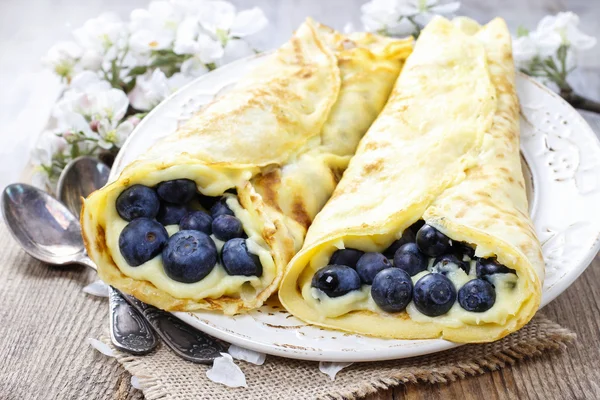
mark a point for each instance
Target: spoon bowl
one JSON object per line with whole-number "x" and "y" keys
{"x": 81, "y": 177}
{"x": 42, "y": 225}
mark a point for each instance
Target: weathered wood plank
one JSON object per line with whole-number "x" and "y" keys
{"x": 45, "y": 319}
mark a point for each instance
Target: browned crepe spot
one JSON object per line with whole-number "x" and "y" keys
{"x": 269, "y": 184}
{"x": 299, "y": 212}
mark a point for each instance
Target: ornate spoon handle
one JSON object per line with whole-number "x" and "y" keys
{"x": 186, "y": 341}
{"x": 129, "y": 330}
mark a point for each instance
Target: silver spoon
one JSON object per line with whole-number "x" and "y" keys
{"x": 129, "y": 331}
{"x": 48, "y": 231}
{"x": 81, "y": 177}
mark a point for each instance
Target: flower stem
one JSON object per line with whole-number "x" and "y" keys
{"x": 578, "y": 101}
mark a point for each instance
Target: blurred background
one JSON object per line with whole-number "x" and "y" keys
{"x": 28, "y": 28}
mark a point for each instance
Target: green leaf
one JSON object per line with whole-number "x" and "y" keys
{"x": 128, "y": 87}
{"x": 522, "y": 31}
{"x": 139, "y": 70}
{"x": 561, "y": 53}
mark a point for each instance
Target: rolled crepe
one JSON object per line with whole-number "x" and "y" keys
{"x": 272, "y": 149}
{"x": 445, "y": 152}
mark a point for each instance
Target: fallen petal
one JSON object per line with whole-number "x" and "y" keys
{"x": 332, "y": 368}
{"x": 135, "y": 382}
{"x": 225, "y": 371}
{"x": 251, "y": 356}
{"x": 101, "y": 347}
{"x": 97, "y": 288}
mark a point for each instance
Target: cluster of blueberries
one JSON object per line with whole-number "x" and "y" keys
{"x": 392, "y": 288}
{"x": 191, "y": 254}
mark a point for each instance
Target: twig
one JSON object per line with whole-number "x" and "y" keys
{"x": 580, "y": 102}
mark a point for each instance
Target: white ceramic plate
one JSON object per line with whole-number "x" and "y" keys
{"x": 563, "y": 156}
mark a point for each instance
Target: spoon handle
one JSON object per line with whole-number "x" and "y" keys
{"x": 186, "y": 341}
{"x": 129, "y": 330}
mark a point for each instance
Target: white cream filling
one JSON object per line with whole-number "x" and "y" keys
{"x": 507, "y": 286}
{"x": 217, "y": 283}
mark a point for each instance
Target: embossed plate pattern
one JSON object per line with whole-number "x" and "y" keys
{"x": 563, "y": 156}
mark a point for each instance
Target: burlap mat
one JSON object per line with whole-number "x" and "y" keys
{"x": 164, "y": 376}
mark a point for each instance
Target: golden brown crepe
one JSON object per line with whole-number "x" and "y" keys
{"x": 281, "y": 139}
{"x": 445, "y": 150}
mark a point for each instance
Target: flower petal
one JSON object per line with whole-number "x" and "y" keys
{"x": 248, "y": 22}
{"x": 234, "y": 50}
{"x": 185, "y": 39}
{"x": 193, "y": 67}
{"x": 332, "y": 368}
{"x": 445, "y": 9}
{"x": 135, "y": 382}
{"x": 217, "y": 15}
{"x": 97, "y": 288}
{"x": 101, "y": 347}
{"x": 253, "y": 357}
{"x": 226, "y": 372}
{"x": 209, "y": 50}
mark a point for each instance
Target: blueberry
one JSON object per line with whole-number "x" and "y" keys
{"x": 171, "y": 214}
{"x": 178, "y": 191}
{"x": 448, "y": 263}
{"x": 462, "y": 249}
{"x": 416, "y": 226}
{"x": 207, "y": 201}
{"x": 370, "y": 264}
{"x": 392, "y": 289}
{"x": 142, "y": 240}
{"x": 226, "y": 227}
{"x": 189, "y": 256}
{"x": 196, "y": 221}
{"x": 347, "y": 257}
{"x": 336, "y": 280}
{"x": 410, "y": 259}
{"x": 238, "y": 261}
{"x": 408, "y": 236}
{"x": 220, "y": 208}
{"x": 477, "y": 295}
{"x": 433, "y": 242}
{"x": 434, "y": 295}
{"x": 489, "y": 266}
{"x": 137, "y": 201}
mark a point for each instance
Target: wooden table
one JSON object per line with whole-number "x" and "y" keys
{"x": 44, "y": 352}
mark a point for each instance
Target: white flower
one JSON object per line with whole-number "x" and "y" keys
{"x": 424, "y": 10}
{"x": 560, "y": 29}
{"x": 220, "y": 20}
{"x": 47, "y": 145}
{"x": 151, "y": 89}
{"x": 63, "y": 57}
{"x": 216, "y": 35}
{"x": 234, "y": 50}
{"x": 113, "y": 134}
{"x": 93, "y": 105}
{"x": 552, "y": 32}
{"x": 91, "y": 60}
{"x": 88, "y": 82}
{"x": 154, "y": 28}
{"x": 102, "y": 35}
{"x": 524, "y": 51}
{"x": 191, "y": 41}
{"x": 384, "y": 16}
{"x": 392, "y": 16}
{"x": 193, "y": 67}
